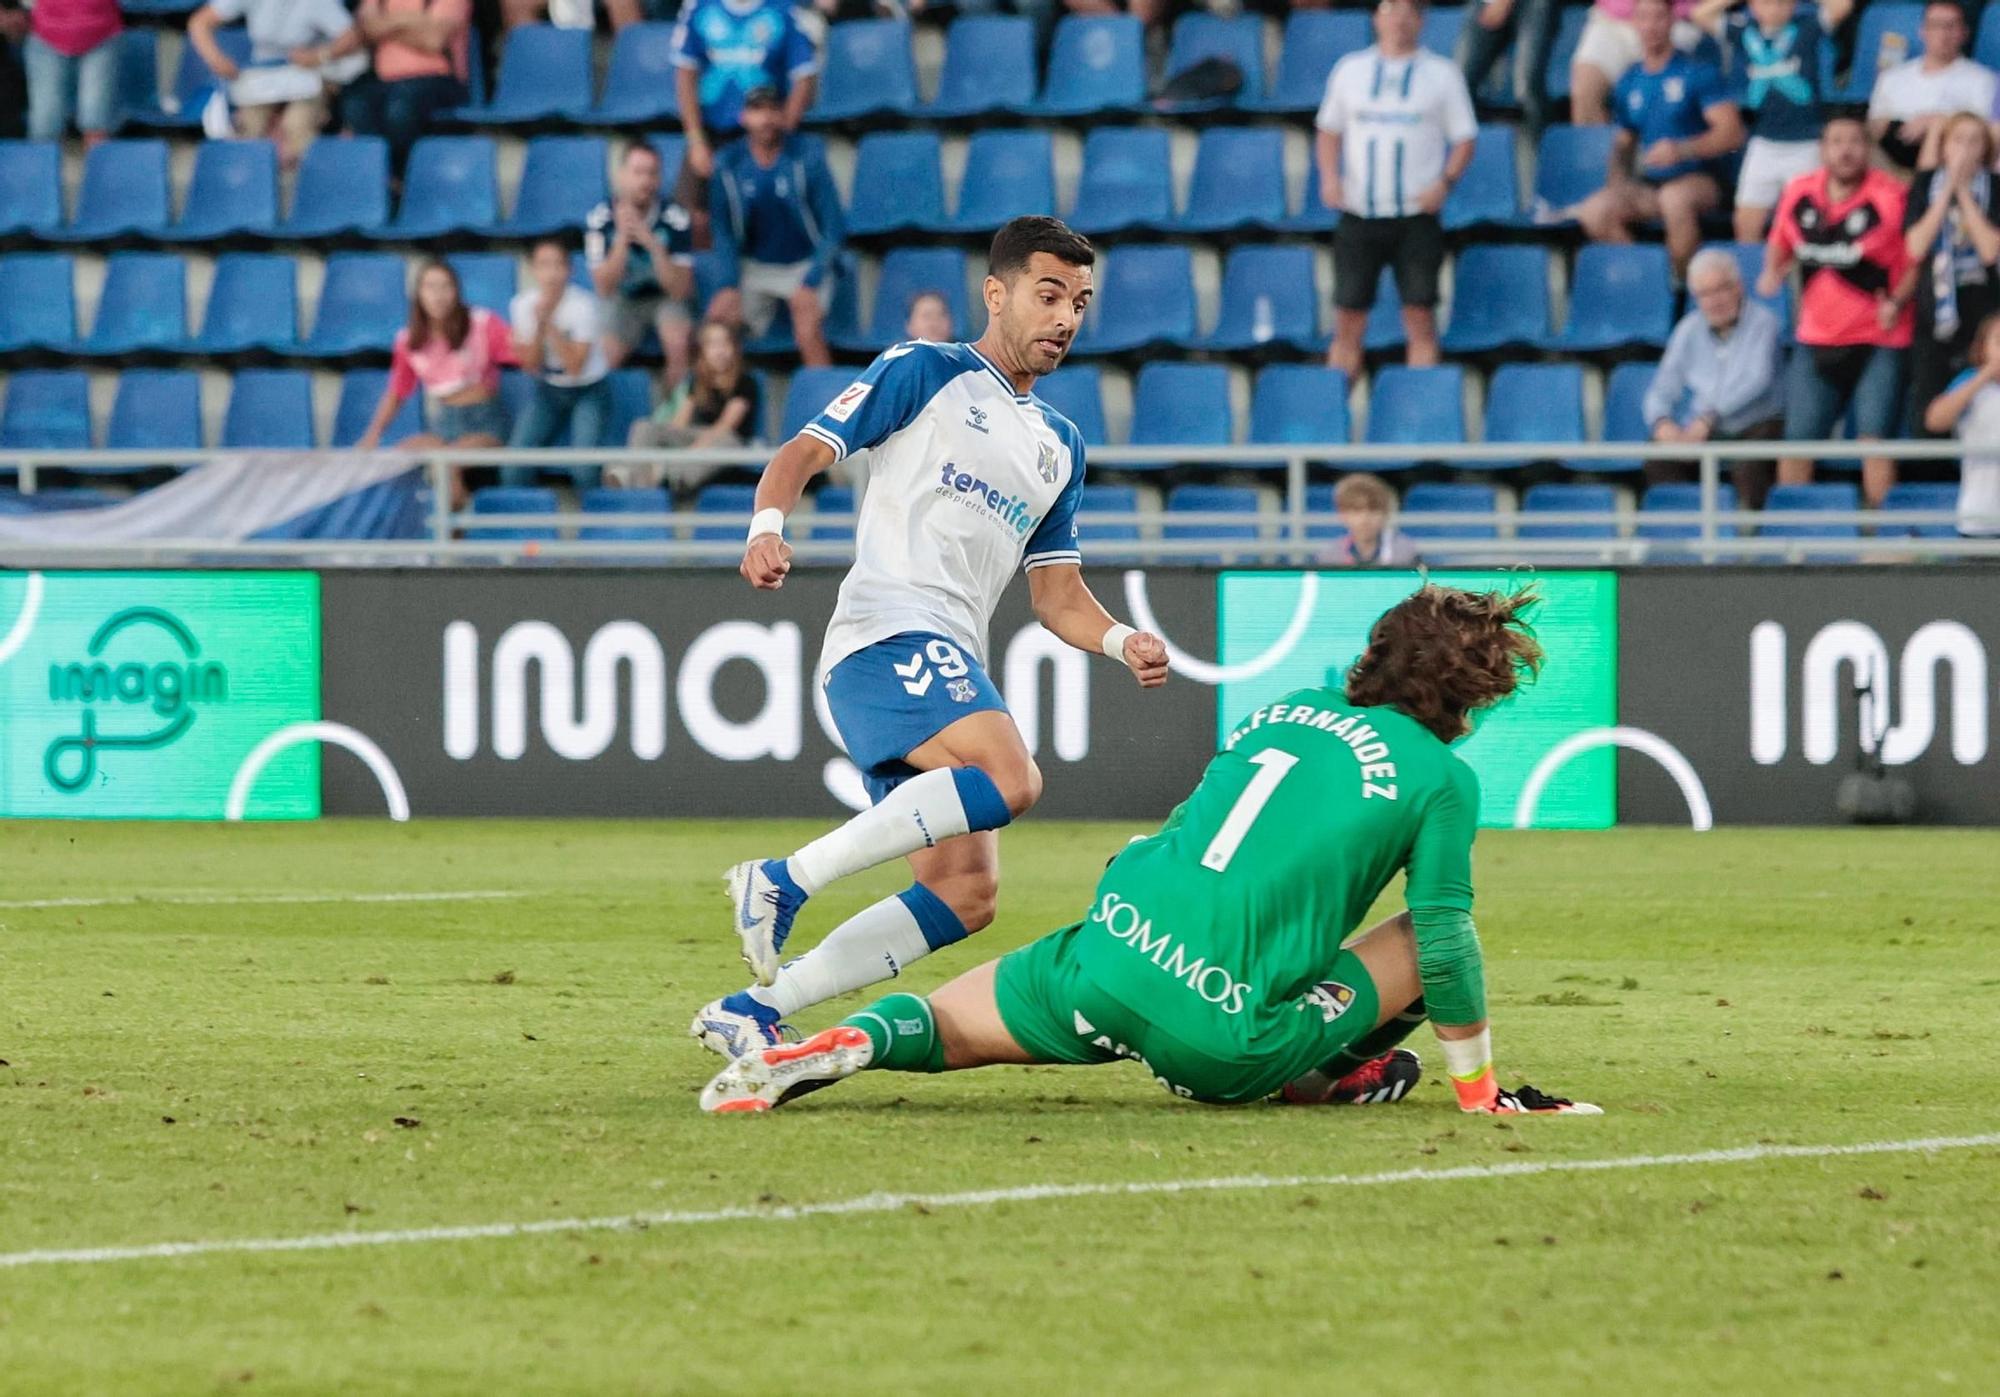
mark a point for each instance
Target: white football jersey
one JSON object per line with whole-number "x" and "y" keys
{"x": 966, "y": 480}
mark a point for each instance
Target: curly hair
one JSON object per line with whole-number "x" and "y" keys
{"x": 1441, "y": 653}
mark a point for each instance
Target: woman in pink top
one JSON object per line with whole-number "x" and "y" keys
{"x": 455, "y": 353}
{"x": 72, "y": 61}
{"x": 419, "y": 70}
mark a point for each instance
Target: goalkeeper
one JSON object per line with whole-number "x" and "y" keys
{"x": 1212, "y": 952}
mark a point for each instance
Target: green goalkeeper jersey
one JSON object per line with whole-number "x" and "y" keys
{"x": 1215, "y": 927}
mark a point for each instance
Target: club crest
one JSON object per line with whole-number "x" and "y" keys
{"x": 1045, "y": 462}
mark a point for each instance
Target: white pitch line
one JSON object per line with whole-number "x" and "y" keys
{"x": 256, "y": 899}
{"x": 977, "y": 1198}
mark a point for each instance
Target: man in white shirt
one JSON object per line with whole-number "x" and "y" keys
{"x": 298, "y": 50}
{"x": 1395, "y": 134}
{"x": 558, "y": 330}
{"x": 1912, "y": 97}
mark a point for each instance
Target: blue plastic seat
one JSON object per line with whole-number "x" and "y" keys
{"x": 1568, "y": 499}
{"x": 1145, "y": 297}
{"x": 807, "y": 395}
{"x": 601, "y": 501}
{"x": 1300, "y": 403}
{"x": 733, "y": 504}
{"x": 1416, "y": 408}
{"x": 631, "y": 401}
{"x": 1268, "y": 301}
{"x": 1618, "y": 297}
{"x": 544, "y": 76}
{"x": 1499, "y": 299}
{"x": 1120, "y": 500}
{"x": 192, "y": 84}
{"x": 1986, "y": 43}
{"x": 673, "y": 154}
{"x": 1313, "y": 215}
{"x": 1441, "y": 27}
{"x": 1532, "y": 403}
{"x": 143, "y": 305}
{"x": 1212, "y": 499}
{"x": 1180, "y": 405}
{"x": 1793, "y": 499}
{"x": 561, "y": 181}
{"x": 1315, "y": 40}
{"x": 450, "y": 187}
{"x": 269, "y": 410}
{"x": 1912, "y": 496}
{"x": 362, "y": 304}
{"x": 898, "y": 183}
{"x": 1384, "y": 331}
{"x": 834, "y": 501}
{"x": 1570, "y": 166}
{"x": 360, "y": 393}
{"x": 155, "y": 410}
{"x": 1562, "y": 52}
{"x": 57, "y": 499}
{"x": 1097, "y": 64}
{"x": 1077, "y": 392}
{"x": 234, "y": 191}
{"x": 1322, "y": 519}
{"x": 124, "y": 194}
{"x": 1007, "y": 174}
{"x": 906, "y": 273}
{"x": 1490, "y": 192}
{"x": 1875, "y": 20}
{"x": 869, "y": 69}
{"x": 30, "y": 187}
{"x": 1239, "y": 179}
{"x": 989, "y": 66}
{"x": 253, "y": 304}
{"x": 47, "y": 410}
{"x": 1432, "y": 498}
{"x": 1198, "y": 36}
{"x": 1681, "y": 499}
{"x": 486, "y": 279}
{"x": 639, "y": 84}
{"x": 37, "y": 301}
{"x": 513, "y": 499}
{"x": 1625, "y": 410}
{"x": 138, "y": 70}
{"x": 343, "y": 187}
{"x": 1127, "y": 181}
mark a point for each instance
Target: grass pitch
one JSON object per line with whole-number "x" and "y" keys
{"x": 196, "y": 1050}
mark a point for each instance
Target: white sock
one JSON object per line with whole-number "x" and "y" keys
{"x": 922, "y": 812}
{"x": 872, "y": 945}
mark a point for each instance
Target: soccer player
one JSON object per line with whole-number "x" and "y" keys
{"x": 969, "y": 475}
{"x": 1212, "y": 950}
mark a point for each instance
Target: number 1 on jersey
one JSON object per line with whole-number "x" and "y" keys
{"x": 1272, "y": 766}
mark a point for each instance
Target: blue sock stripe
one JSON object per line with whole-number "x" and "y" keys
{"x": 984, "y": 809}
{"x": 939, "y": 924}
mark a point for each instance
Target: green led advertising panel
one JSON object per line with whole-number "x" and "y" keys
{"x": 1325, "y": 617}
{"x": 139, "y": 695}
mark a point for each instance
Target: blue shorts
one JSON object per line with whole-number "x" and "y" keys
{"x": 895, "y": 695}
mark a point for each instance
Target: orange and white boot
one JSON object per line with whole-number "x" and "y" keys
{"x": 766, "y": 1079}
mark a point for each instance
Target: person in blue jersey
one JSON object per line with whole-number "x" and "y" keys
{"x": 723, "y": 51}
{"x": 970, "y": 478}
{"x": 1773, "y": 55}
{"x": 1674, "y": 119}
{"x": 775, "y": 216}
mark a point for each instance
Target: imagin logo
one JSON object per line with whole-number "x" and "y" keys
{"x": 1012, "y": 512}
{"x": 1899, "y": 712}
{"x": 151, "y": 703}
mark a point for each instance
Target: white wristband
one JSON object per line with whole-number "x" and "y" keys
{"x": 1114, "y": 640}
{"x": 766, "y": 521}
{"x": 1466, "y": 1058}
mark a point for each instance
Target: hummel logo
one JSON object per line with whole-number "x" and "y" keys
{"x": 916, "y": 679}
{"x": 975, "y": 418}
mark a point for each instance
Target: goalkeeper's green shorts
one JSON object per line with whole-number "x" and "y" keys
{"x": 1054, "y": 1010}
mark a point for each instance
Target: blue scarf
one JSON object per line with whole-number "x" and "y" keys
{"x": 1954, "y": 259}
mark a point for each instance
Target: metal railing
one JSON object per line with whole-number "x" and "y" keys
{"x": 1294, "y": 537}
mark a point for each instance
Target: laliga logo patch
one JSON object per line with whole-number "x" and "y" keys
{"x": 842, "y": 407}
{"x": 1045, "y": 462}
{"x": 1331, "y": 998}
{"x": 962, "y": 690}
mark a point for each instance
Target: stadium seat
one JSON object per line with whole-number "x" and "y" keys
{"x": 673, "y": 153}
{"x": 253, "y": 305}
{"x": 1619, "y": 297}
{"x": 1314, "y": 41}
{"x": 1911, "y": 497}
{"x": 1681, "y": 499}
{"x": 907, "y": 272}
{"x": 1986, "y": 43}
{"x": 1007, "y": 173}
{"x": 1322, "y": 519}
{"x": 1490, "y": 192}
{"x": 898, "y": 184}
{"x": 362, "y": 303}
{"x": 1499, "y": 299}
{"x": 1299, "y": 403}
{"x": 1313, "y": 216}
{"x": 1568, "y": 499}
{"x": 192, "y": 84}
{"x": 1127, "y": 181}
{"x": 486, "y": 279}
{"x": 606, "y": 500}
{"x": 30, "y": 188}
{"x": 234, "y": 191}
{"x": 809, "y": 391}
{"x": 138, "y": 70}
{"x": 1873, "y": 21}
{"x": 360, "y": 393}
{"x": 868, "y": 70}
{"x": 1198, "y": 36}
{"x": 450, "y": 188}
{"x": 544, "y": 76}
{"x": 513, "y": 499}
{"x": 1625, "y": 411}
{"x": 989, "y": 66}
{"x": 1180, "y": 405}
{"x": 124, "y": 194}
{"x": 561, "y": 181}
{"x": 1269, "y": 301}
{"x": 833, "y": 500}
{"x": 1794, "y": 499}
{"x": 1145, "y": 297}
{"x": 1532, "y": 403}
{"x": 1415, "y": 407}
{"x": 58, "y": 499}
{"x": 1077, "y": 392}
{"x": 1239, "y": 179}
{"x": 639, "y": 84}
{"x": 1097, "y": 64}
{"x": 1113, "y": 500}
{"x": 1384, "y": 329}
{"x": 37, "y": 301}
{"x": 1569, "y": 32}
{"x": 732, "y": 504}
{"x": 143, "y": 305}
{"x": 155, "y": 410}
{"x": 1432, "y": 498}
{"x": 269, "y": 410}
{"x": 343, "y": 187}
{"x": 1441, "y": 27}
{"x": 632, "y": 401}
{"x": 1212, "y": 499}
{"x": 47, "y": 410}
{"x": 1570, "y": 166}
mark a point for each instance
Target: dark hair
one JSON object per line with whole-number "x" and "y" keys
{"x": 710, "y": 396}
{"x": 1021, "y": 238}
{"x": 1979, "y": 338}
{"x": 457, "y": 325}
{"x": 639, "y": 147}
{"x": 1441, "y": 653}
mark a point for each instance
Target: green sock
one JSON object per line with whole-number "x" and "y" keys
{"x": 903, "y": 1033}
